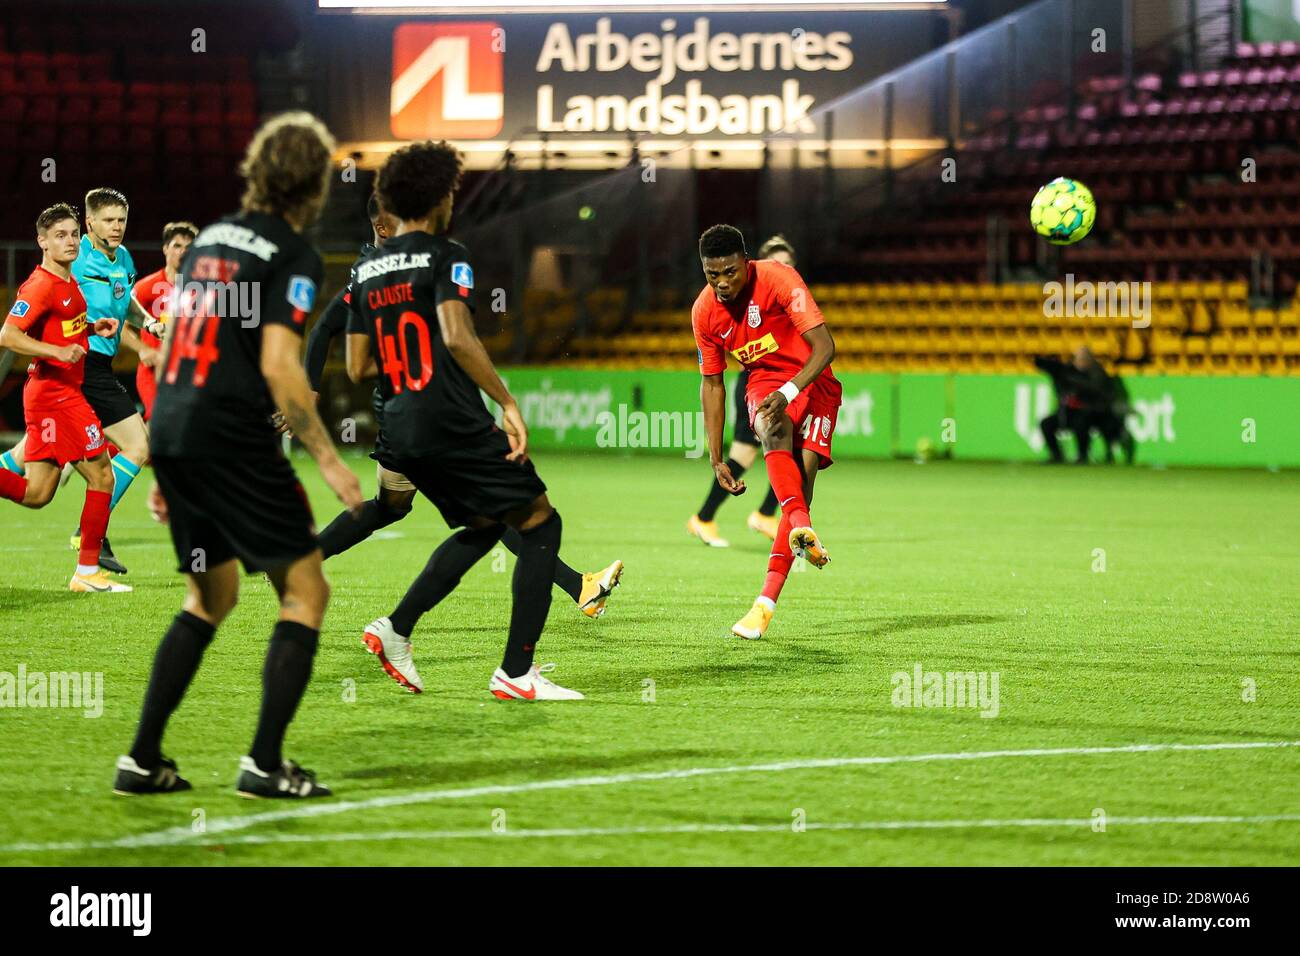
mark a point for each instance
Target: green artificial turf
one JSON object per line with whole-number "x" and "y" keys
{"x": 955, "y": 567}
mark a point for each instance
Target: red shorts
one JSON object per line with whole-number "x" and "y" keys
{"x": 62, "y": 431}
{"x": 813, "y": 412}
{"x": 147, "y": 386}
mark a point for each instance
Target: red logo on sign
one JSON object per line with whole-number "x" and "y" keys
{"x": 447, "y": 81}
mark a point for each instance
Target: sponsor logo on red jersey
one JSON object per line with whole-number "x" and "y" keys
{"x": 752, "y": 351}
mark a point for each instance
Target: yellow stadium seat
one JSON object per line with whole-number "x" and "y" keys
{"x": 853, "y": 316}
{"x": 1103, "y": 347}
{"x": 1134, "y": 346}
{"x": 1235, "y": 317}
{"x": 1171, "y": 363}
{"x": 1200, "y": 321}
{"x": 1196, "y": 350}
{"x": 1290, "y": 359}
{"x": 1210, "y": 291}
{"x": 1221, "y": 354}
{"x": 1245, "y": 364}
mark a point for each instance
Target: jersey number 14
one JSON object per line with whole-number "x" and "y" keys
{"x": 186, "y": 344}
{"x": 395, "y": 358}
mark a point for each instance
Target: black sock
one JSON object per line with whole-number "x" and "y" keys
{"x": 178, "y": 657}
{"x": 446, "y": 566}
{"x": 346, "y": 531}
{"x": 284, "y": 678}
{"x": 531, "y": 591}
{"x": 718, "y": 494}
{"x": 769, "y": 505}
{"x": 568, "y": 580}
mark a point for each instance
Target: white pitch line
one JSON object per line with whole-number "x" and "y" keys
{"x": 199, "y": 840}
{"x": 486, "y": 834}
{"x": 184, "y": 834}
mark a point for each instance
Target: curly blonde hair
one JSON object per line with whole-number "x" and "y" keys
{"x": 287, "y": 166}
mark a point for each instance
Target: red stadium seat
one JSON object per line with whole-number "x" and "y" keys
{"x": 75, "y": 109}
{"x": 12, "y": 106}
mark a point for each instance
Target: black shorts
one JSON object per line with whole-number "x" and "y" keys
{"x": 247, "y": 507}
{"x": 744, "y": 432}
{"x": 106, "y": 395}
{"x": 472, "y": 479}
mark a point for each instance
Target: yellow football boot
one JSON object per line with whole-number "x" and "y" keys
{"x": 597, "y": 587}
{"x": 754, "y": 624}
{"x": 706, "y": 531}
{"x": 97, "y": 583}
{"x": 805, "y": 544}
{"x": 764, "y": 524}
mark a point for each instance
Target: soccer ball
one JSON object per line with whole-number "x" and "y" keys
{"x": 1063, "y": 211}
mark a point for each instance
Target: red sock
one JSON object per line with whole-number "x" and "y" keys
{"x": 778, "y": 565}
{"x": 787, "y": 482}
{"x": 94, "y": 522}
{"x": 13, "y": 487}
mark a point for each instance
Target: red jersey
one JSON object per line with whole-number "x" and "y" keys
{"x": 763, "y": 328}
{"x": 53, "y": 311}
{"x": 154, "y": 292}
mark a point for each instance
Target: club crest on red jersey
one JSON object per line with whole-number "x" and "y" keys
{"x": 754, "y": 317}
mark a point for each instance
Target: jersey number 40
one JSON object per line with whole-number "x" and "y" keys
{"x": 394, "y": 357}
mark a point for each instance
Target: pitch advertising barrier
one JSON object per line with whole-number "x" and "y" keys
{"x": 1214, "y": 421}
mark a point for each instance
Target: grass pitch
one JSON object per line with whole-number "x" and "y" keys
{"x": 1118, "y": 608}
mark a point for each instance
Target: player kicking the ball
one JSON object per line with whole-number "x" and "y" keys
{"x": 413, "y": 325}
{"x": 48, "y": 322}
{"x": 762, "y": 313}
{"x": 744, "y": 446}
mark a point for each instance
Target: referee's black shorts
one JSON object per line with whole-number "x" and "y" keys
{"x": 106, "y": 395}
{"x": 249, "y": 507}
{"x": 472, "y": 479}
{"x": 743, "y": 432}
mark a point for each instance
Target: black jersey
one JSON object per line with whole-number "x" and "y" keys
{"x": 242, "y": 273}
{"x": 332, "y": 323}
{"x": 430, "y": 403}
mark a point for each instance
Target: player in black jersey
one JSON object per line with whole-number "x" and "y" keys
{"x": 412, "y": 324}
{"x": 590, "y": 591}
{"x": 231, "y": 358}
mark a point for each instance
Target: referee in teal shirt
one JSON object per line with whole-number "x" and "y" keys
{"x": 105, "y": 273}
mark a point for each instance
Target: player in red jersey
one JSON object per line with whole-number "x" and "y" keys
{"x": 48, "y": 322}
{"x": 762, "y": 313}
{"x": 154, "y": 292}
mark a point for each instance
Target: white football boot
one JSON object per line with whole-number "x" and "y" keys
{"x": 531, "y": 686}
{"x": 394, "y": 652}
